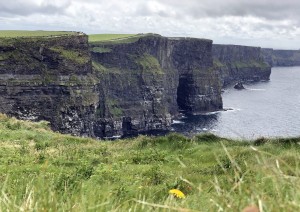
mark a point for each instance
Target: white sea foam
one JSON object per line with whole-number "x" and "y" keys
{"x": 178, "y": 122}
{"x": 231, "y": 109}
{"x": 113, "y": 137}
{"x": 256, "y": 89}
{"x": 210, "y": 113}
{"x": 201, "y": 129}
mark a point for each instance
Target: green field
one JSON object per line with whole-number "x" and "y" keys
{"x": 107, "y": 37}
{"x": 100, "y": 39}
{"x": 24, "y": 33}
{"x": 45, "y": 171}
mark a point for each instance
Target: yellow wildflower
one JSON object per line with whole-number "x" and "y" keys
{"x": 177, "y": 193}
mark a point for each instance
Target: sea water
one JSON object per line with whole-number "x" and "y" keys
{"x": 263, "y": 109}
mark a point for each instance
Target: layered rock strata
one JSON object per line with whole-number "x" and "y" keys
{"x": 49, "y": 78}
{"x": 119, "y": 88}
{"x": 236, "y": 63}
{"x": 148, "y": 81}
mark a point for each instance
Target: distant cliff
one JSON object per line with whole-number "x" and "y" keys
{"x": 149, "y": 80}
{"x": 282, "y": 57}
{"x": 240, "y": 63}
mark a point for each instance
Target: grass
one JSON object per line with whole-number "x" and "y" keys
{"x": 107, "y": 37}
{"x": 72, "y": 55}
{"x": 248, "y": 64}
{"x": 217, "y": 63}
{"x": 41, "y": 170}
{"x": 24, "y": 33}
{"x": 98, "y": 39}
{"x": 149, "y": 64}
{"x": 100, "y": 50}
{"x": 98, "y": 67}
{"x": 114, "y": 108}
{"x": 242, "y": 64}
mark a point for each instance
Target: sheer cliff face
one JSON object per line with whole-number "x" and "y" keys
{"x": 282, "y": 57}
{"x": 147, "y": 82}
{"x": 116, "y": 89}
{"x": 240, "y": 63}
{"x": 49, "y": 79}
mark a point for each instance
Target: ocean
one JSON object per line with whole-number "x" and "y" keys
{"x": 263, "y": 109}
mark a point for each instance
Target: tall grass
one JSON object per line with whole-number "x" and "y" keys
{"x": 45, "y": 171}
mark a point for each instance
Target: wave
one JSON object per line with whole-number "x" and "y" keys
{"x": 211, "y": 113}
{"x": 231, "y": 109}
{"x": 256, "y": 89}
{"x": 201, "y": 129}
{"x": 177, "y": 122}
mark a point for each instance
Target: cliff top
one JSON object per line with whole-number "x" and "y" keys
{"x": 130, "y": 38}
{"x": 188, "y": 38}
{"x": 109, "y": 37}
{"x": 40, "y": 33}
{"x": 116, "y": 38}
{"x": 234, "y": 45}
{"x": 41, "y": 52}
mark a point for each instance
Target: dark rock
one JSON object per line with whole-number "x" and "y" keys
{"x": 227, "y": 109}
{"x": 239, "y": 86}
{"x": 46, "y": 79}
{"x": 146, "y": 82}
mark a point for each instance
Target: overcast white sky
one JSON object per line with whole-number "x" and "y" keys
{"x": 266, "y": 23}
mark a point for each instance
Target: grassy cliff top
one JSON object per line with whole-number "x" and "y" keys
{"x": 24, "y": 33}
{"x": 107, "y": 37}
{"x": 116, "y": 38}
{"x": 42, "y": 170}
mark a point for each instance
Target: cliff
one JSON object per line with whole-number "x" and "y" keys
{"x": 49, "y": 78}
{"x": 282, "y": 57}
{"x": 148, "y": 80}
{"x": 267, "y": 54}
{"x": 240, "y": 63}
{"x": 112, "y": 88}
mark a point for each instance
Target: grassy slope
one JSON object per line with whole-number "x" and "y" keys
{"x": 42, "y": 170}
{"x": 24, "y": 33}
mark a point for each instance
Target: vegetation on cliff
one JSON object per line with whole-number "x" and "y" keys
{"x": 107, "y": 37}
{"x": 42, "y": 170}
{"x": 242, "y": 64}
{"x": 40, "y": 33}
{"x": 97, "y": 39}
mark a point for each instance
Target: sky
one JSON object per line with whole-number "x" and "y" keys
{"x": 265, "y": 23}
